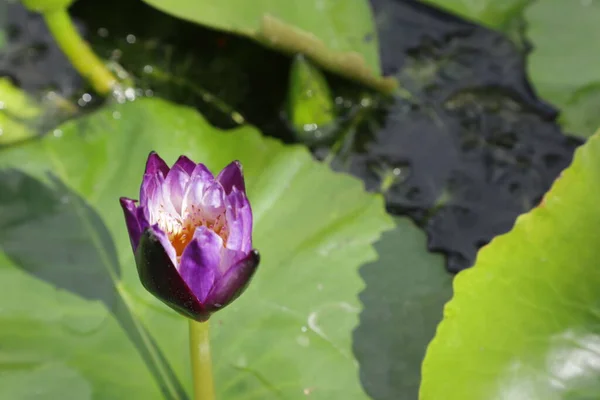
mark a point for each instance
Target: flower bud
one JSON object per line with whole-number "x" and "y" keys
{"x": 192, "y": 235}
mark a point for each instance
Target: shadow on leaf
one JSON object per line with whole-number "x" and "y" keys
{"x": 405, "y": 292}
{"x": 53, "y": 234}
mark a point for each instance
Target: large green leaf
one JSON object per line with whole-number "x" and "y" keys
{"x": 525, "y": 320}
{"x": 50, "y": 381}
{"x": 495, "y": 14}
{"x": 566, "y": 53}
{"x": 42, "y": 326}
{"x": 61, "y": 227}
{"x": 406, "y": 290}
{"x": 339, "y": 35}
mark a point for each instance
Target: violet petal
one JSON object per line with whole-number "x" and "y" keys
{"x": 200, "y": 261}
{"x": 232, "y": 176}
{"x": 155, "y": 164}
{"x": 165, "y": 243}
{"x": 159, "y": 276}
{"x": 151, "y": 196}
{"x": 134, "y": 228}
{"x": 174, "y": 187}
{"x": 239, "y": 221}
{"x": 202, "y": 173}
{"x": 233, "y": 283}
{"x": 200, "y": 178}
{"x": 152, "y": 185}
{"x": 212, "y": 201}
{"x": 185, "y": 164}
{"x": 142, "y": 219}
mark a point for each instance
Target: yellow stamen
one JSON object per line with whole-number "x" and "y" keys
{"x": 181, "y": 232}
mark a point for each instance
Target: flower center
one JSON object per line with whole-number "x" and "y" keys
{"x": 181, "y": 231}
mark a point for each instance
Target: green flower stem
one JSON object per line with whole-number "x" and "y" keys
{"x": 79, "y": 52}
{"x": 201, "y": 362}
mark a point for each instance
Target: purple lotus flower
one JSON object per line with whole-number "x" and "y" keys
{"x": 192, "y": 235}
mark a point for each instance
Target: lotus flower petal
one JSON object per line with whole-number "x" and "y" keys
{"x": 201, "y": 260}
{"x": 239, "y": 220}
{"x": 231, "y": 285}
{"x": 131, "y": 220}
{"x": 155, "y": 164}
{"x": 232, "y": 176}
{"x": 160, "y": 277}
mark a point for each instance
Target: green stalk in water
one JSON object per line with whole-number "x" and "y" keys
{"x": 78, "y": 51}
